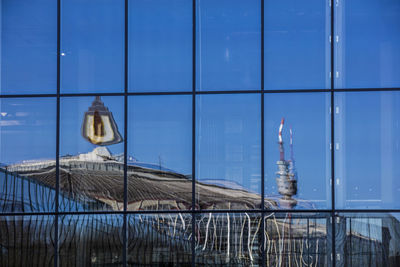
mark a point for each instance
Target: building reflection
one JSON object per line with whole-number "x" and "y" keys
{"x": 92, "y": 182}
{"x": 163, "y": 234}
{"x": 232, "y": 239}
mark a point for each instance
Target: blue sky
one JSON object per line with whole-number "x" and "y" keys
{"x": 297, "y": 56}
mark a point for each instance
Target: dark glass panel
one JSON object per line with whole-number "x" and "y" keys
{"x": 228, "y": 151}
{"x": 159, "y": 240}
{"x": 27, "y": 146}
{"x": 92, "y": 46}
{"x": 160, "y": 45}
{"x": 90, "y": 240}
{"x": 297, "y": 48}
{"x": 160, "y": 153}
{"x": 228, "y": 239}
{"x": 367, "y": 47}
{"x": 91, "y": 153}
{"x": 28, "y": 46}
{"x": 368, "y": 239}
{"x": 228, "y": 45}
{"x": 27, "y": 240}
{"x": 298, "y": 239}
{"x": 306, "y": 137}
{"x": 367, "y": 126}
{"x": 234, "y": 239}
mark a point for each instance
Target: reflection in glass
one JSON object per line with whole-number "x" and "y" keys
{"x": 367, "y": 130}
{"x": 234, "y": 239}
{"x": 91, "y": 173}
{"x": 297, "y": 48}
{"x": 160, "y": 152}
{"x": 99, "y": 127}
{"x": 27, "y": 240}
{"x": 90, "y": 240}
{"x": 228, "y": 48}
{"x": 28, "y": 46}
{"x": 159, "y": 240}
{"x": 367, "y": 51}
{"x": 160, "y": 132}
{"x": 306, "y": 155}
{"x": 294, "y": 239}
{"x": 27, "y": 145}
{"x": 228, "y": 151}
{"x": 368, "y": 239}
{"x": 92, "y": 46}
{"x": 160, "y": 45}
{"x": 228, "y": 239}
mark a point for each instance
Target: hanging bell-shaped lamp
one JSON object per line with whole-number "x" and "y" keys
{"x": 99, "y": 126}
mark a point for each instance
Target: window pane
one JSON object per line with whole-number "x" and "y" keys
{"x": 306, "y": 158}
{"x": 28, "y": 45}
{"x": 367, "y": 150}
{"x": 228, "y": 239}
{"x": 27, "y": 147}
{"x": 160, "y": 45}
{"x": 159, "y": 239}
{"x": 92, "y": 46}
{"x": 91, "y": 153}
{"x": 368, "y": 239}
{"x": 27, "y": 240}
{"x": 228, "y": 151}
{"x": 234, "y": 239}
{"x": 160, "y": 152}
{"x": 368, "y": 53}
{"x": 297, "y": 48}
{"x": 90, "y": 240}
{"x": 298, "y": 238}
{"x": 229, "y": 45}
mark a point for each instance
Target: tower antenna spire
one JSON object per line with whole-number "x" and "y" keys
{"x": 292, "y": 167}
{"x": 281, "y": 149}
{"x": 287, "y": 186}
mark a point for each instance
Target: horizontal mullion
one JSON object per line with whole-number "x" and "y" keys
{"x": 202, "y": 92}
{"x": 366, "y": 89}
{"x": 27, "y": 95}
{"x": 282, "y": 211}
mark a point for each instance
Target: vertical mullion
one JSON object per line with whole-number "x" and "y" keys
{"x": 308, "y": 242}
{"x": 333, "y": 135}
{"x": 262, "y": 138}
{"x": 351, "y": 247}
{"x": 125, "y": 225}
{"x": 193, "y": 131}
{"x": 57, "y": 133}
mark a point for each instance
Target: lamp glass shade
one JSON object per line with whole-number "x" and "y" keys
{"x": 99, "y": 126}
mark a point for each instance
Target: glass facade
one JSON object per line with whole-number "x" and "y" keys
{"x": 199, "y": 133}
{"x": 92, "y": 46}
{"x": 28, "y": 47}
